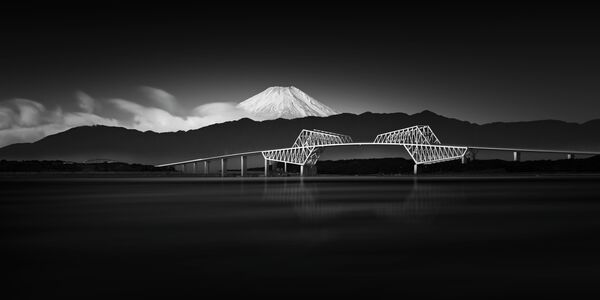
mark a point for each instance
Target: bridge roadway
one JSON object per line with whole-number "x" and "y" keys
{"x": 516, "y": 154}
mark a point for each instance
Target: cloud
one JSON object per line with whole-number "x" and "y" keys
{"x": 23, "y": 120}
{"x": 162, "y": 99}
{"x": 159, "y": 120}
{"x": 28, "y": 113}
{"x": 85, "y": 102}
{"x": 218, "y": 108}
{"x": 152, "y": 118}
{"x": 20, "y": 113}
{"x": 218, "y": 112}
{"x": 6, "y": 116}
{"x": 27, "y": 134}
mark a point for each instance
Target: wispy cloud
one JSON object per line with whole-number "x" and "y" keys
{"x": 162, "y": 99}
{"x": 24, "y": 120}
{"x": 85, "y": 102}
{"x": 160, "y": 120}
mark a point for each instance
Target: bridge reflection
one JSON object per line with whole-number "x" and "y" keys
{"x": 408, "y": 201}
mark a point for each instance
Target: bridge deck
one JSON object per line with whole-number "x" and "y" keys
{"x": 385, "y": 144}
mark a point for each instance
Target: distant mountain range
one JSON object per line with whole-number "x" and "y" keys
{"x": 83, "y": 143}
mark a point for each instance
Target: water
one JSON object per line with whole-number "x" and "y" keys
{"x": 371, "y": 237}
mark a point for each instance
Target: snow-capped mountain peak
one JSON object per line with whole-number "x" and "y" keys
{"x": 285, "y": 102}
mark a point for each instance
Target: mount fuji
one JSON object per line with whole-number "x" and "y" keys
{"x": 285, "y": 102}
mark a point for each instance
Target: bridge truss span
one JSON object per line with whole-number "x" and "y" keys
{"x": 422, "y": 144}
{"x": 317, "y": 137}
{"x": 430, "y": 154}
{"x": 297, "y": 156}
{"x": 418, "y": 134}
{"x": 307, "y": 147}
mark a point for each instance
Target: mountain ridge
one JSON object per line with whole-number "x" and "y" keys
{"x": 129, "y": 145}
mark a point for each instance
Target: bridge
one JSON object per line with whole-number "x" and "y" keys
{"x": 420, "y": 142}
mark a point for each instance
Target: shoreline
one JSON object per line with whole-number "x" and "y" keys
{"x": 161, "y": 176}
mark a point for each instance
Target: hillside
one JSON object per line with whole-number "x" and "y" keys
{"x": 89, "y": 142}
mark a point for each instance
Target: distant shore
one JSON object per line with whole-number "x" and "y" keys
{"x": 367, "y": 168}
{"x": 157, "y": 177}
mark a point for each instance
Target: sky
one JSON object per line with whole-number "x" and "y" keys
{"x": 178, "y": 68}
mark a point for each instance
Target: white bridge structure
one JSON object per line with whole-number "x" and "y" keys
{"x": 420, "y": 142}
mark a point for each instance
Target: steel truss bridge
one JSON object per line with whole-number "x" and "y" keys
{"x": 420, "y": 142}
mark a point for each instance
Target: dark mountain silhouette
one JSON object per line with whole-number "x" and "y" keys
{"x": 120, "y": 144}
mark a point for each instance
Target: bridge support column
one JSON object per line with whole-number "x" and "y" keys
{"x": 243, "y": 165}
{"x": 301, "y": 170}
{"x": 223, "y": 166}
{"x": 182, "y": 168}
{"x": 206, "y": 167}
{"x": 570, "y": 156}
{"x": 194, "y": 167}
{"x": 516, "y": 156}
{"x": 415, "y": 169}
{"x": 463, "y": 159}
{"x": 266, "y": 168}
{"x": 285, "y": 167}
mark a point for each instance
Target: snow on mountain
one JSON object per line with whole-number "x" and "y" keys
{"x": 285, "y": 102}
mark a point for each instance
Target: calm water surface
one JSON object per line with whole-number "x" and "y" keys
{"x": 371, "y": 237}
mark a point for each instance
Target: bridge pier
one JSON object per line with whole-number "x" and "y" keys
{"x": 301, "y": 170}
{"x": 516, "y": 156}
{"x": 206, "y": 167}
{"x": 182, "y": 168}
{"x": 463, "y": 159}
{"x": 266, "y": 168}
{"x": 243, "y": 165}
{"x": 415, "y": 169}
{"x": 194, "y": 168}
{"x": 285, "y": 167}
{"x": 223, "y": 167}
{"x": 570, "y": 156}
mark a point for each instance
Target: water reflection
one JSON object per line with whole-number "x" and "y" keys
{"x": 406, "y": 201}
{"x": 147, "y": 236}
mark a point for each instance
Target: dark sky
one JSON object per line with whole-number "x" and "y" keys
{"x": 480, "y": 64}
